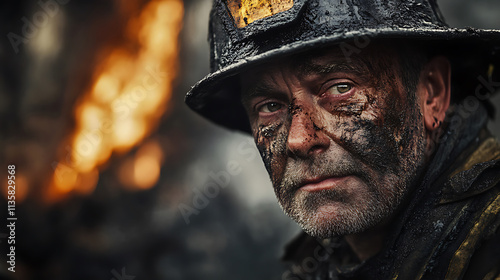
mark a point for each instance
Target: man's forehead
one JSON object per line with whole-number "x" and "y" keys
{"x": 313, "y": 62}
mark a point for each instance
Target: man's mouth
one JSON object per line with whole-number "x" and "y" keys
{"x": 319, "y": 184}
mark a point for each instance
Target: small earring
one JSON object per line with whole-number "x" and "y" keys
{"x": 435, "y": 123}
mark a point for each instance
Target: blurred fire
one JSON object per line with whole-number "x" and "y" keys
{"x": 130, "y": 93}
{"x": 142, "y": 171}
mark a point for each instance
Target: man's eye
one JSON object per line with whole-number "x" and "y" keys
{"x": 270, "y": 107}
{"x": 339, "y": 88}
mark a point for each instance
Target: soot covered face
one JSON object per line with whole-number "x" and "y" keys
{"x": 342, "y": 138}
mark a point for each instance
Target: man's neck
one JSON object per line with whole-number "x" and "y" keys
{"x": 368, "y": 243}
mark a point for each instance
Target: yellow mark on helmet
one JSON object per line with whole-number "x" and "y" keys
{"x": 245, "y": 12}
{"x": 491, "y": 68}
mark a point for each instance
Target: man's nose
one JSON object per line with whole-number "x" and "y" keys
{"x": 306, "y": 135}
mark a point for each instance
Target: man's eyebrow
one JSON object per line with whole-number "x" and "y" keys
{"x": 308, "y": 67}
{"x": 260, "y": 89}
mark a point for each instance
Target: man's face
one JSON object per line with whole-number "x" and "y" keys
{"x": 341, "y": 138}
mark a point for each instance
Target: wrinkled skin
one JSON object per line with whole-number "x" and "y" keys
{"x": 349, "y": 127}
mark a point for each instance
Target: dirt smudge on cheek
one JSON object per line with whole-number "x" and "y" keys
{"x": 350, "y": 107}
{"x": 370, "y": 143}
{"x": 368, "y": 132}
{"x": 392, "y": 132}
{"x": 271, "y": 143}
{"x": 373, "y": 109}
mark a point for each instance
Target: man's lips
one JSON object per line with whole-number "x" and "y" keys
{"x": 315, "y": 185}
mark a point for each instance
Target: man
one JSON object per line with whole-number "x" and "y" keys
{"x": 370, "y": 119}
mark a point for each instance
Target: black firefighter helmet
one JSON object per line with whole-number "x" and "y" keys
{"x": 243, "y": 33}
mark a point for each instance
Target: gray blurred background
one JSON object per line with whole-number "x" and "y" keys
{"x": 209, "y": 213}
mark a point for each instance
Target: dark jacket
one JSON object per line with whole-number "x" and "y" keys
{"x": 448, "y": 230}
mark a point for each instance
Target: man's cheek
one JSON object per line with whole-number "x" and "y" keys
{"x": 345, "y": 108}
{"x": 271, "y": 143}
{"x": 366, "y": 139}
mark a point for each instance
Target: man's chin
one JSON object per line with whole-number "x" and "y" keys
{"x": 326, "y": 214}
{"x": 334, "y": 219}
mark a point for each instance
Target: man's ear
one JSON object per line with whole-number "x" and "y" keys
{"x": 435, "y": 91}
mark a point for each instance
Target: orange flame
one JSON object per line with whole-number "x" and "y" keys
{"x": 129, "y": 95}
{"x": 143, "y": 170}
